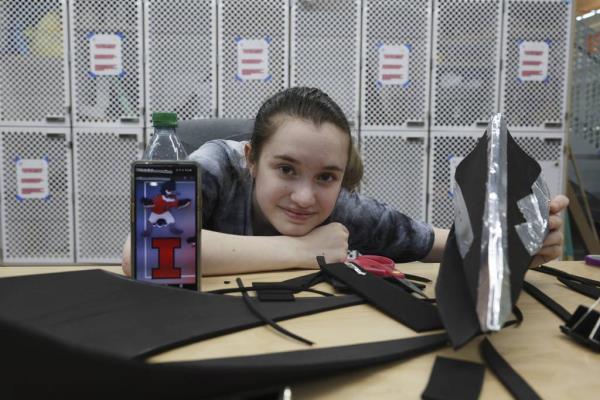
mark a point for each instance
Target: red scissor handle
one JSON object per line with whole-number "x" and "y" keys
{"x": 377, "y": 265}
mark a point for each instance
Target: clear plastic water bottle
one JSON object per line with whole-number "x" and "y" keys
{"x": 164, "y": 144}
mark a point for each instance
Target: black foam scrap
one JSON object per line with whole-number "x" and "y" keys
{"x": 102, "y": 311}
{"x": 390, "y": 299}
{"x": 457, "y": 283}
{"x": 453, "y": 379}
{"x": 36, "y": 365}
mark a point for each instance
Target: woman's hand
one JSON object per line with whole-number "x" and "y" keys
{"x": 329, "y": 241}
{"x": 553, "y": 244}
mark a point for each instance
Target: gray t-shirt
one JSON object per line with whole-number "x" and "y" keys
{"x": 375, "y": 228}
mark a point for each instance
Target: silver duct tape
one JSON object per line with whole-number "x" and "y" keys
{"x": 536, "y": 211}
{"x": 493, "y": 292}
{"x": 463, "y": 231}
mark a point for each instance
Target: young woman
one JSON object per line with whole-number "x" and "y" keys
{"x": 286, "y": 196}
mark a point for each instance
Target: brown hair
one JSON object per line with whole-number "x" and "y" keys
{"x": 312, "y": 105}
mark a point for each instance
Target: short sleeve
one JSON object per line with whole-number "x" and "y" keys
{"x": 377, "y": 228}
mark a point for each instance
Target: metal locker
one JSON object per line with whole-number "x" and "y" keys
{"x": 535, "y": 53}
{"x": 34, "y": 67}
{"x": 395, "y": 169}
{"x": 106, "y": 71}
{"x": 465, "y": 63}
{"x": 395, "y": 56}
{"x": 36, "y": 206}
{"x": 253, "y": 49}
{"x": 325, "y": 50}
{"x": 449, "y": 149}
{"x": 180, "y": 58}
{"x": 102, "y": 174}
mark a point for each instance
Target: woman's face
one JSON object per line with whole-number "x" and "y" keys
{"x": 299, "y": 175}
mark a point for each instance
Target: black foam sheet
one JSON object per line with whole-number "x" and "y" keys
{"x": 453, "y": 379}
{"x": 456, "y": 286}
{"x": 105, "y": 312}
{"x": 35, "y": 365}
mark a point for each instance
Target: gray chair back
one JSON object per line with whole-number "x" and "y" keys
{"x": 194, "y": 133}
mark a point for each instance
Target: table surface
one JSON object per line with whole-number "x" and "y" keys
{"x": 553, "y": 364}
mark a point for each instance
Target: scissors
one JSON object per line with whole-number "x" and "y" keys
{"x": 383, "y": 267}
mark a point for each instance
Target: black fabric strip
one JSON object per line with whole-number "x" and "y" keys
{"x": 388, "y": 298}
{"x": 586, "y": 290}
{"x": 452, "y": 379}
{"x": 546, "y": 301}
{"x": 511, "y": 380}
{"x": 518, "y": 318}
{"x": 274, "y": 287}
{"x": 557, "y": 272}
{"x": 35, "y": 366}
{"x": 417, "y": 278}
{"x": 266, "y": 319}
{"x": 99, "y": 310}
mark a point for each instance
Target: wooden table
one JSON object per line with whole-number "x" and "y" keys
{"x": 554, "y": 365}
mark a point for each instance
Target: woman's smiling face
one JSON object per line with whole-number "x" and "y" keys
{"x": 298, "y": 175}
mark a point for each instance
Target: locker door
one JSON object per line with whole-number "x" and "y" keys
{"x": 102, "y": 174}
{"x": 180, "y": 52}
{"x": 396, "y": 170}
{"x": 253, "y": 54}
{"x": 466, "y": 63}
{"x": 536, "y": 54}
{"x": 36, "y": 206}
{"x": 107, "y": 73}
{"x": 395, "y": 56}
{"x": 34, "y": 72}
{"x": 325, "y": 50}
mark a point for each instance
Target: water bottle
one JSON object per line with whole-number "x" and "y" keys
{"x": 164, "y": 144}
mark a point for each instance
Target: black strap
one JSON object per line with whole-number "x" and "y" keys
{"x": 546, "y": 301}
{"x": 454, "y": 379}
{"x": 388, "y": 298}
{"x": 518, "y": 318}
{"x": 586, "y": 290}
{"x": 270, "y": 286}
{"x": 511, "y": 380}
{"x": 266, "y": 319}
{"x": 557, "y": 272}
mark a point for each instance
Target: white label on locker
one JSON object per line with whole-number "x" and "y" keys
{"x": 106, "y": 54}
{"x": 393, "y": 65}
{"x": 32, "y": 179}
{"x": 533, "y": 61}
{"x": 253, "y": 59}
{"x": 453, "y": 162}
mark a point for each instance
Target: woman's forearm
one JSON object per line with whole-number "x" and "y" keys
{"x": 439, "y": 243}
{"x": 223, "y": 254}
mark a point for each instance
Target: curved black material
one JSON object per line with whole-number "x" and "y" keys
{"x": 35, "y": 365}
{"x": 557, "y": 272}
{"x": 511, "y": 380}
{"x": 586, "y": 290}
{"x": 548, "y": 302}
{"x": 102, "y": 311}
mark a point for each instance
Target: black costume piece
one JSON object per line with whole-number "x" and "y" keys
{"x": 515, "y": 384}
{"x": 452, "y": 379}
{"x": 35, "y": 365}
{"x": 391, "y": 299}
{"x": 114, "y": 314}
{"x": 459, "y": 277}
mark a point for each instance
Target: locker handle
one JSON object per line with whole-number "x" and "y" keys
{"x": 55, "y": 118}
{"x": 415, "y": 124}
{"x": 56, "y": 136}
{"x": 127, "y": 136}
{"x": 415, "y": 139}
{"x": 552, "y": 125}
{"x": 481, "y": 124}
{"x": 130, "y": 120}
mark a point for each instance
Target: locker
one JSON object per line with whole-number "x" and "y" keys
{"x": 180, "y": 58}
{"x": 36, "y": 206}
{"x": 395, "y": 56}
{"x": 102, "y": 181}
{"x": 253, "y": 47}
